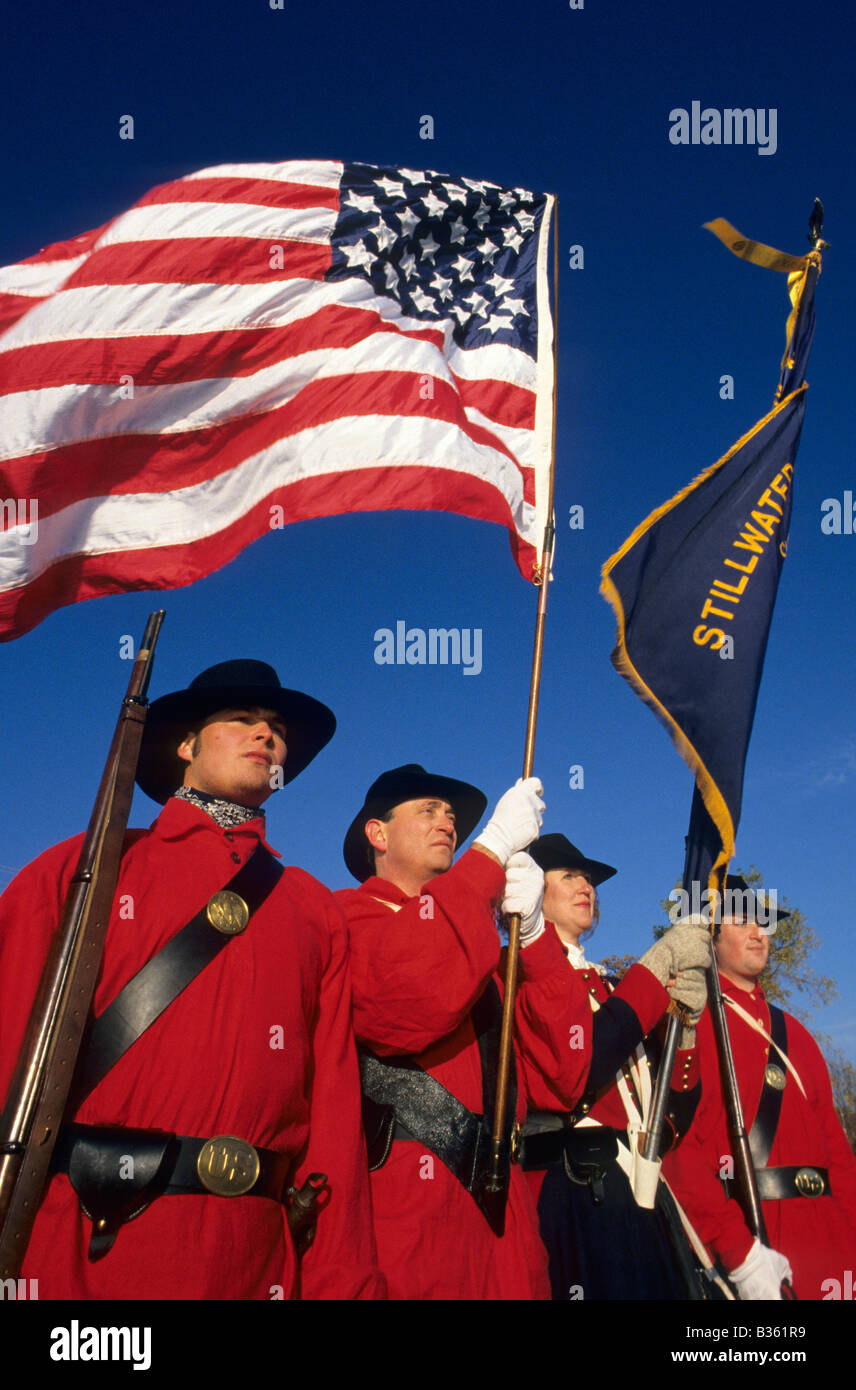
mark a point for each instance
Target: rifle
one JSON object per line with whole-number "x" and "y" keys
{"x": 40, "y": 1086}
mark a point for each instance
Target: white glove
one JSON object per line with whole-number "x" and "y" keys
{"x": 524, "y": 893}
{"x": 760, "y": 1275}
{"x": 516, "y": 821}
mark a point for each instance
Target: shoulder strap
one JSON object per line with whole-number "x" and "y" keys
{"x": 763, "y": 1131}
{"x": 160, "y": 981}
{"x": 759, "y": 1028}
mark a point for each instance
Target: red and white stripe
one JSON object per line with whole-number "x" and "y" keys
{"x": 168, "y": 379}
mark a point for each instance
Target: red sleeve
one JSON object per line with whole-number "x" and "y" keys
{"x": 840, "y": 1159}
{"x": 418, "y": 971}
{"x": 644, "y": 994}
{"x": 29, "y": 913}
{"x": 341, "y": 1262}
{"x": 553, "y": 1025}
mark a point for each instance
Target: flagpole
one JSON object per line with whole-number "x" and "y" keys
{"x": 745, "y": 1169}
{"x": 496, "y": 1180}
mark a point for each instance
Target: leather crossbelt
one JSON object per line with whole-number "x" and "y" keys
{"x": 763, "y": 1130}
{"x": 160, "y": 981}
{"x": 117, "y": 1172}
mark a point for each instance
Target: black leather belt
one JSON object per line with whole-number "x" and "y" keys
{"x": 401, "y": 1101}
{"x": 543, "y": 1141}
{"x": 587, "y": 1153}
{"x": 118, "y": 1172}
{"x": 775, "y": 1184}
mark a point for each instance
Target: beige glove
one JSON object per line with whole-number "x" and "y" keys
{"x": 680, "y": 948}
{"x": 689, "y": 991}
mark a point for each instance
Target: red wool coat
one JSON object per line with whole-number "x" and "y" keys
{"x": 644, "y": 994}
{"x": 818, "y": 1234}
{"x": 259, "y": 1045}
{"x": 418, "y": 966}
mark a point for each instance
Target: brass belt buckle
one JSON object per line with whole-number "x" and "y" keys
{"x": 809, "y": 1182}
{"x": 227, "y": 912}
{"x": 228, "y": 1166}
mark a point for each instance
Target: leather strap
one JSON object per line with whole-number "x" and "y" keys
{"x": 145, "y": 997}
{"x": 775, "y": 1184}
{"x": 118, "y": 1172}
{"x": 763, "y": 1131}
{"x": 427, "y": 1111}
{"x": 184, "y": 1176}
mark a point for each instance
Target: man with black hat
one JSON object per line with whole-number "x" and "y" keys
{"x": 805, "y": 1168}
{"x": 610, "y": 1228}
{"x": 425, "y": 951}
{"x": 220, "y": 1070}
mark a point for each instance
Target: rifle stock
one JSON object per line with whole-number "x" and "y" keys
{"x": 40, "y": 1086}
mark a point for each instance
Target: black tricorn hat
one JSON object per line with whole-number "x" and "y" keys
{"x": 557, "y": 852}
{"x": 406, "y": 784}
{"x": 736, "y": 883}
{"x": 228, "y": 685}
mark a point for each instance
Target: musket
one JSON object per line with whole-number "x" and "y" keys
{"x": 40, "y": 1086}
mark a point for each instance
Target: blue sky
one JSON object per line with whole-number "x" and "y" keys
{"x": 570, "y": 101}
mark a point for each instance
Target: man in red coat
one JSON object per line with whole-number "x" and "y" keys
{"x": 425, "y": 953}
{"x": 806, "y": 1170}
{"x": 169, "y": 1183}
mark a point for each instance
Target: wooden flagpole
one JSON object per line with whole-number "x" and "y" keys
{"x": 497, "y": 1178}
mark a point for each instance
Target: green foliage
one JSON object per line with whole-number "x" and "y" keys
{"x": 618, "y": 966}
{"x": 842, "y": 1074}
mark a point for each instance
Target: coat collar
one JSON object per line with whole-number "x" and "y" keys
{"x": 180, "y": 819}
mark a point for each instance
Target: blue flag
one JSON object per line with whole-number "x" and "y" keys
{"x": 693, "y": 589}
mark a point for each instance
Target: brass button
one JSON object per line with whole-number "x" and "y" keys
{"x": 775, "y": 1077}
{"x": 228, "y": 1166}
{"x": 228, "y": 913}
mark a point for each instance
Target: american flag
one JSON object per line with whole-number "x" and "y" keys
{"x": 257, "y": 344}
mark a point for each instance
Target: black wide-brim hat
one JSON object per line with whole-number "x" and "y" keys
{"x": 406, "y": 784}
{"x": 557, "y": 852}
{"x": 737, "y": 883}
{"x": 241, "y": 684}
